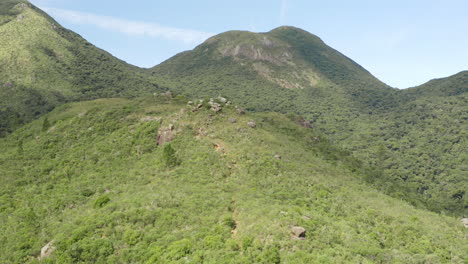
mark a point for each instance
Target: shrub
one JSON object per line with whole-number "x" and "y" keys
{"x": 229, "y": 221}
{"x": 169, "y": 157}
{"x": 45, "y": 124}
{"x": 101, "y": 201}
{"x": 87, "y": 192}
{"x": 179, "y": 249}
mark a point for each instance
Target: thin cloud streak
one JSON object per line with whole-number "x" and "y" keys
{"x": 129, "y": 27}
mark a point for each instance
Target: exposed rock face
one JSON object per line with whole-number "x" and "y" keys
{"x": 165, "y": 135}
{"x": 47, "y": 250}
{"x": 260, "y": 48}
{"x": 252, "y": 124}
{"x": 464, "y": 222}
{"x": 298, "y": 232}
{"x": 22, "y": 6}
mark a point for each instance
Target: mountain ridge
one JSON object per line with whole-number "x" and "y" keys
{"x": 40, "y": 57}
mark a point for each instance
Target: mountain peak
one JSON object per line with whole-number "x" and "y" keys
{"x": 290, "y": 30}
{"x": 285, "y": 57}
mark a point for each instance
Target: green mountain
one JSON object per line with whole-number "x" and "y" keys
{"x": 328, "y": 165}
{"x": 421, "y": 145}
{"x": 90, "y": 184}
{"x": 43, "y": 65}
{"x": 450, "y": 86}
{"x": 414, "y": 137}
{"x": 286, "y": 64}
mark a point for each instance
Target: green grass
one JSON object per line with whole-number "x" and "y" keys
{"x": 98, "y": 185}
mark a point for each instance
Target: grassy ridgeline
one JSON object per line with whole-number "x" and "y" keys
{"x": 43, "y": 65}
{"x": 91, "y": 178}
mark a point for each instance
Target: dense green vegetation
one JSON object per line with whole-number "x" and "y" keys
{"x": 90, "y": 177}
{"x": 93, "y": 181}
{"x": 43, "y": 65}
{"x": 416, "y": 136}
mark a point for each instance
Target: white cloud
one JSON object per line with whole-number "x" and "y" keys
{"x": 129, "y": 27}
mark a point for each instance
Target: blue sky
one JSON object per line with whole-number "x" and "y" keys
{"x": 402, "y": 42}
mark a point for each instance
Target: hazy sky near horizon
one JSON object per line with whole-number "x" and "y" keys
{"x": 404, "y": 43}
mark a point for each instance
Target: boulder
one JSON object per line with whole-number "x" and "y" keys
{"x": 277, "y": 156}
{"x": 47, "y": 250}
{"x": 464, "y": 221}
{"x": 165, "y": 135}
{"x": 252, "y": 124}
{"x": 240, "y": 111}
{"x": 215, "y": 107}
{"x": 222, "y": 100}
{"x": 232, "y": 120}
{"x": 195, "y": 109}
{"x": 298, "y": 232}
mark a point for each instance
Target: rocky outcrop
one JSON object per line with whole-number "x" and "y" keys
{"x": 464, "y": 221}
{"x": 165, "y": 135}
{"x": 298, "y": 232}
{"x": 215, "y": 107}
{"x": 47, "y": 250}
{"x": 217, "y": 103}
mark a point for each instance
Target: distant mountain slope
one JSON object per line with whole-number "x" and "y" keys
{"x": 286, "y": 63}
{"x": 43, "y": 65}
{"x": 422, "y": 144}
{"x": 90, "y": 181}
{"x": 415, "y": 137}
{"x": 450, "y": 86}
